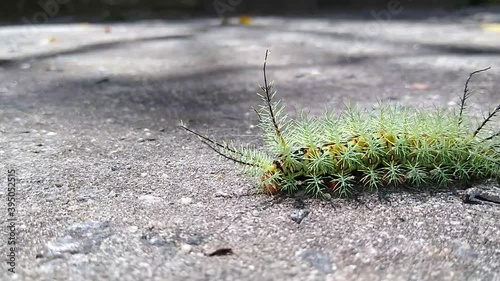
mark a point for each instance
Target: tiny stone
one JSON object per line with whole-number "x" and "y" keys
{"x": 73, "y": 208}
{"x": 221, "y": 194}
{"x": 150, "y": 199}
{"x": 152, "y": 238}
{"x": 327, "y": 196}
{"x": 186, "y": 249}
{"x": 156, "y": 224}
{"x": 144, "y": 174}
{"x": 318, "y": 259}
{"x": 81, "y": 198}
{"x": 298, "y": 215}
{"x": 186, "y": 200}
{"x": 51, "y": 134}
{"x": 58, "y": 184}
{"x": 80, "y": 238}
{"x": 195, "y": 239}
{"x": 132, "y": 229}
{"x": 255, "y": 213}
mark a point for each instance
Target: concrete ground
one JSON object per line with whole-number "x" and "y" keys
{"x": 108, "y": 187}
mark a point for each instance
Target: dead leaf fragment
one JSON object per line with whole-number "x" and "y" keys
{"x": 245, "y": 20}
{"x": 220, "y": 252}
{"x": 419, "y": 86}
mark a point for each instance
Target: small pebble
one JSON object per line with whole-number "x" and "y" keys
{"x": 73, "y": 208}
{"x": 221, "y": 194}
{"x": 132, "y": 229}
{"x": 255, "y": 213}
{"x": 298, "y": 215}
{"x": 186, "y": 200}
{"x": 150, "y": 199}
{"x": 186, "y": 249}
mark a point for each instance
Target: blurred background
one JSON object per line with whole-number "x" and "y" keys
{"x": 42, "y": 11}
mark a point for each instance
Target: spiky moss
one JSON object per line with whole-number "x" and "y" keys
{"x": 389, "y": 146}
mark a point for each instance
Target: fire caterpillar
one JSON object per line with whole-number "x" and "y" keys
{"x": 356, "y": 149}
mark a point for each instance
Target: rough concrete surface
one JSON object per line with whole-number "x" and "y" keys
{"x": 108, "y": 188}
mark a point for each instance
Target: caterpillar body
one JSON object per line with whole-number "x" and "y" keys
{"x": 390, "y": 146}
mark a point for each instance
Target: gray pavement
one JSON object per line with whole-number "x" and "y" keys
{"x": 108, "y": 188}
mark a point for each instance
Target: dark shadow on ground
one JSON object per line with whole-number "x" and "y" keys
{"x": 91, "y": 48}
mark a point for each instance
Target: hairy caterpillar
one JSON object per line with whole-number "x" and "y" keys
{"x": 390, "y": 146}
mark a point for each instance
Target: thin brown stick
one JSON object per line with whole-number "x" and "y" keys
{"x": 487, "y": 119}
{"x": 229, "y": 157}
{"x": 467, "y": 94}
{"x": 226, "y": 147}
{"x": 497, "y": 134}
{"x": 266, "y": 89}
{"x": 207, "y": 141}
{"x": 258, "y": 114}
